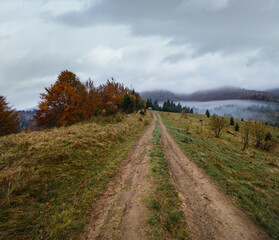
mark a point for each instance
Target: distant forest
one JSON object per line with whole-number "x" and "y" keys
{"x": 168, "y": 106}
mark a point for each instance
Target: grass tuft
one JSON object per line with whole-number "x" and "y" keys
{"x": 166, "y": 220}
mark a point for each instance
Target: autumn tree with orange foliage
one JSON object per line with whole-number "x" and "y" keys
{"x": 63, "y": 102}
{"x": 8, "y": 118}
{"x": 112, "y": 94}
{"x": 68, "y": 101}
{"x": 92, "y": 105}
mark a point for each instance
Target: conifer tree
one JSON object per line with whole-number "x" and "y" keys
{"x": 236, "y": 127}
{"x": 207, "y": 113}
{"x": 232, "y": 121}
{"x": 127, "y": 104}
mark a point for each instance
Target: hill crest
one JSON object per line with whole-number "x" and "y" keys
{"x": 224, "y": 93}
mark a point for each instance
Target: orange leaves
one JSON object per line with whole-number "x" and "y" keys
{"x": 68, "y": 100}
{"x": 63, "y": 103}
{"x": 112, "y": 94}
{"x": 8, "y": 118}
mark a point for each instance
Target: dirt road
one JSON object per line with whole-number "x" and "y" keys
{"x": 120, "y": 213}
{"x": 210, "y": 214}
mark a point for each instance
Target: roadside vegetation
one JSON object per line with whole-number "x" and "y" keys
{"x": 166, "y": 220}
{"x": 50, "y": 179}
{"x": 238, "y": 160}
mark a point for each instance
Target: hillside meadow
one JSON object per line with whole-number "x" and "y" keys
{"x": 49, "y": 179}
{"x": 250, "y": 177}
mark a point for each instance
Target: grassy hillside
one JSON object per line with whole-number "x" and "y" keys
{"x": 49, "y": 179}
{"x": 250, "y": 176}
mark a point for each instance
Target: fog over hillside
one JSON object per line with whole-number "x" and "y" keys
{"x": 246, "y": 109}
{"x": 224, "y": 93}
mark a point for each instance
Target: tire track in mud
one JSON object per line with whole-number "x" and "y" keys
{"x": 120, "y": 212}
{"x": 210, "y": 214}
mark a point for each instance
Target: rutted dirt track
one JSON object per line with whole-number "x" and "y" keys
{"x": 210, "y": 214}
{"x": 120, "y": 213}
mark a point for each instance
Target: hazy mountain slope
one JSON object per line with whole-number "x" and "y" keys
{"x": 227, "y": 93}
{"x": 274, "y": 91}
{"x": 160, "y": 95}
{"x": 224, "y": 93}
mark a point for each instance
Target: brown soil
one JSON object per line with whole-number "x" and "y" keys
{"x": 210, "y": 214}
{"x": 121, "y": 213}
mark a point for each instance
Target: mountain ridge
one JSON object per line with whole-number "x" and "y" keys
{"x": 223, "y": 93}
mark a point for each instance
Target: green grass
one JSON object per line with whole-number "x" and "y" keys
{"x": 50, "y": 179}
{"x": 166, "y": 220}
{"x": 250, "y": 176}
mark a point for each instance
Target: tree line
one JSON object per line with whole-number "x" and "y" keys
{"x": 168, "y": 106}
{"x": 68, "y": 101}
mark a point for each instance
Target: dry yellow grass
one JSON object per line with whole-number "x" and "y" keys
{"x": 49, "y": 179}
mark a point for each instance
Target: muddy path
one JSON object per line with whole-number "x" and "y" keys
{"x": 210, "y": 214}
{"x": 120, "y": 213}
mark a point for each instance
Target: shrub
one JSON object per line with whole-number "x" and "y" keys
{"x": 217, "y": 124}
{"x": 142, "y": 112}
{"x": 268, "y": 136}
{"x": 245, "y": 135}
{"x": 269, "y": 142}
{"x": 269, "y": 145}
{"x": 258, "y": 131}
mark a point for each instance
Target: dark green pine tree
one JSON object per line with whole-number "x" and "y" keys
{"x": 127, "y": 104}
{"x": 148, "y": 103}
{"x": 232, "y": 121}
{"x": 156, "y": 106}
{"x": 236, "y": 127}
{"x": 207, "y": 113}
{"x": 138, "y": 104}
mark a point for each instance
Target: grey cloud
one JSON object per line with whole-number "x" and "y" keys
{"x": 175, "y": 58}
{"x": 238, "y": 25}
{"x": 180, "y": 45}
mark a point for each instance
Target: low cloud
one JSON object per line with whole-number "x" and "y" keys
{"x": 179, "y": 45}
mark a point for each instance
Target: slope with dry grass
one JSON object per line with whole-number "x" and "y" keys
{"x": 49, "y": 179}
{"x": 250, "y": 176}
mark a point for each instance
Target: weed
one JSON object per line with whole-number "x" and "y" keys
{"x": 154, "y": 204}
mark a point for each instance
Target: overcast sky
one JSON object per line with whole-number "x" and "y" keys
{"x": 178, "y": 45}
